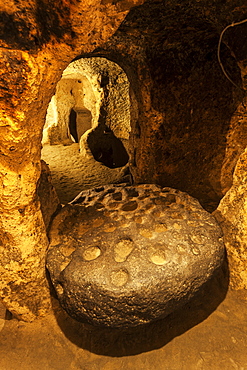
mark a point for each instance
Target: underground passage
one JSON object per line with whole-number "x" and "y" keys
{"x": 123, "y": 185}
{"x": 73, "y": 125}
{"x": 86, "y": 134}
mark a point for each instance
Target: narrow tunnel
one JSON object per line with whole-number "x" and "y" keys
{"x": 86, "y": 135}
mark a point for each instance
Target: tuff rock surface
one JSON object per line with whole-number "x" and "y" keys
{"x": 122, "y": 256}
{"x": 38, "y": 39}
{"x": 188, "y": 121}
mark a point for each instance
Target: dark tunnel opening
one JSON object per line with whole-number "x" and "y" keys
{"x": 107, "y": 148}
{"x": 73, "y": 125}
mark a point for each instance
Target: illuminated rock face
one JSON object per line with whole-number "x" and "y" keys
{"x": 128, "y": 255}
{"x": 188, "y": 122}
{"x": 37, "y": 42}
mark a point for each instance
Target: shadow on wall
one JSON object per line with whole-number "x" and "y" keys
{"x": 133, "y": 341}
{"x": 107, "y": 148}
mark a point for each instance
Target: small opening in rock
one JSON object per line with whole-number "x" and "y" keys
{"x": 72, "y": 125}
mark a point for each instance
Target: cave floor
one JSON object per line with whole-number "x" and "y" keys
{"x": 192, "y": 339}
{"x": 73, "y": 172}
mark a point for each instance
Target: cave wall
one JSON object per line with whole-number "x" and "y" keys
{"x": 189, "y": 132}
{"x": 188, "y": 109}
{"x": 38, "y": 40}
{"x": 94, "y": 85}
{"x": 70, "y": 94}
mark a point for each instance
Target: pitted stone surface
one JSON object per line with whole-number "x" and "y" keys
{"x": 127, "y": 255}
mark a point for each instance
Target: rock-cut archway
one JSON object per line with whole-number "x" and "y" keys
{"x": 86, "y": 134}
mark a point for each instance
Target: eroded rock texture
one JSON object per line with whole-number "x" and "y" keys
{"x": 38, "y": 40}
{"x": 188, "y": 120}
{"x": 128, "y": 255}
{"x": 231, "y": 214}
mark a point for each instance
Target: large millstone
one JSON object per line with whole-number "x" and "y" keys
{"x": 122, "y": 256}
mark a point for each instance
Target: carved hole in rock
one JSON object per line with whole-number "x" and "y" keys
{"x": 130, "y": 206}
{"x": 73, "y": 125}
{"x": 119, "y": 278}
{"x": 91, "y": 253}
{"x": 86, "y": 133}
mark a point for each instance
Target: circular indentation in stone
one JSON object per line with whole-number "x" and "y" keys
{"x": 91, "y": 253}
{"x": 82, "y": 228}
{"x": 117, "y": 196}
{"x": 119, "y": 278}
{"x": 157, "y": 214}
{"x": 132, "y": 193}
{"x": 158, "y": 257}
{"x": 123, "y": 249}
{"x": 97, "y": 222}
{"x": 149, "y": 206}
{"x": 160, "y": 228}
{"x": 130, "y": 206}
{"x": 138, "y": 219}
{"x": 146, "y": 233}
{"x": 109, "y": 228}
{"x": 113, "y": 205}
{"x": 165, "y": 200}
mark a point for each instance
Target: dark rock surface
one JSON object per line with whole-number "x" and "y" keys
{"x": 121, "y": 256}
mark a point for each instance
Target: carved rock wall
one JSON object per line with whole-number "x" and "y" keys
{"x": 98, "y": 90}
{"x": 191, "y": 129}
{"x": 38, "y": 40}
{"x": 188, "y": 120}
{"x": 187, "y": 107}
